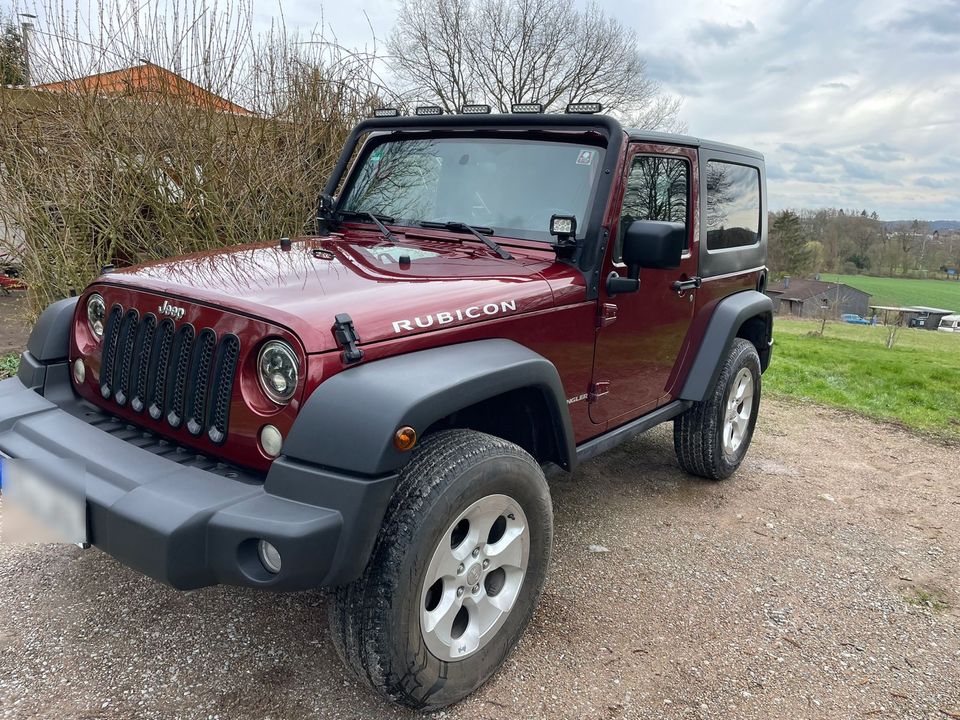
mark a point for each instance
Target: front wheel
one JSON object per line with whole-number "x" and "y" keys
{"x": 455, "y": 574}
{"x": 712, "y": 437}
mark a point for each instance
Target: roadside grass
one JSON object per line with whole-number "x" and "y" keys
{"x": 904, "y": 291}
{"x": 916, "y": 383}
{"x": 927, "y": 599}
{"x": 8, "y": 365}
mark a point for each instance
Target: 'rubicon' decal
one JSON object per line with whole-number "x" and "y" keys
{"x": 445, "y": 318}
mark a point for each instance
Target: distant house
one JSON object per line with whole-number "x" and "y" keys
{"x": 915, "y": 316}
{"x": 810, "y": 298}
{"x": 147, "y": 82}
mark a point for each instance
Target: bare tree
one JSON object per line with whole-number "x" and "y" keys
{"x": 501, "y": 52}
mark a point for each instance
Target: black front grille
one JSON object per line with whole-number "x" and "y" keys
{"x": 177, "y": 375}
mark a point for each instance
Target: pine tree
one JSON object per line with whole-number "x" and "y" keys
{"x": 790, "y": 251}
{"x": 13, "y": 69}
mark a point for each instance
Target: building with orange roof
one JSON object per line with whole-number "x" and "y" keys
{"x": 146, "y": 82}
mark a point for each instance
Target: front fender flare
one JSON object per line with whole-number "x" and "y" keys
{"x": 349, "y": 421}
{"x": 49, "y": 343}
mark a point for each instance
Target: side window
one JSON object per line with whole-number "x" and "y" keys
{"x": 657, "y": 189}
{"x": 733, "y": 205}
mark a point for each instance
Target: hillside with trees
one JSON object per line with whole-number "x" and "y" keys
{"x": 857, "y": 242}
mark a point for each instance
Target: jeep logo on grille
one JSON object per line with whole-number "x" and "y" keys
{"x": 171, "y": 310}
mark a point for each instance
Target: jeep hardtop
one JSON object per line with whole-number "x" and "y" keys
{"x": 374, "y": 407}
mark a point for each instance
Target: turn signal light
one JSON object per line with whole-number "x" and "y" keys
{"x": 405, "y": 438}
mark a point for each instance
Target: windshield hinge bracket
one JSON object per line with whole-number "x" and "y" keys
{"x": 347, "y": 337}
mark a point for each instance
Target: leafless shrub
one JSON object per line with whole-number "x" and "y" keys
{"x": 96, "y": 172}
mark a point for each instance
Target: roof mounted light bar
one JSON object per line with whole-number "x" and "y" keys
{"x": 475, "y": 110}
{"x": 521, "y": 108}
{"x": 386, "y": 112}
{"x": 428, "y": 110}
{"x": 584, "y": 108}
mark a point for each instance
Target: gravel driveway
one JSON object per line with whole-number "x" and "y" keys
{"x": 819, "y": 582}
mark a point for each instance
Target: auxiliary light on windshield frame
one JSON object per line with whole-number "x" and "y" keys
{"x": 589, "y": 108}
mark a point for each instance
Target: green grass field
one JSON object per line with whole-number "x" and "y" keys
{"x": 904, "y": 292}
{"x": 916, "y": 383}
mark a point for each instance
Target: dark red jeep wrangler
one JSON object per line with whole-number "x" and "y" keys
{"x": 373, "y": 408}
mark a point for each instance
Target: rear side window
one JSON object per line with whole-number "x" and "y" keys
{"x": 657, "y": 189}
{"x": 733, "y": 205}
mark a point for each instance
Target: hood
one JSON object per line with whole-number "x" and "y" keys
{"x": 445, "y": 283}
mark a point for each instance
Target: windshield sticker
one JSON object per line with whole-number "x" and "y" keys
{"x": 585, "y": 157}
{"x": 458, "y": 315}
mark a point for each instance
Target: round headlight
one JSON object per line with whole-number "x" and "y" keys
{"x": 96, "y": 312}
{"x": 279, "y": 371}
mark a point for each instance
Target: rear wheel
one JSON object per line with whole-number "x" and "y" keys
{"x": 712, "y": 437}
{"x": 455, "y": 574}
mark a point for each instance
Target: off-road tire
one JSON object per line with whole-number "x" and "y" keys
{"x": 697, "y": 433}
{"x": 375, "y": 621}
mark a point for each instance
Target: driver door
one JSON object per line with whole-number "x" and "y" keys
{"x": 641, "y": 334}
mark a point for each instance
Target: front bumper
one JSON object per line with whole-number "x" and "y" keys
{"x": 190, "y": 521}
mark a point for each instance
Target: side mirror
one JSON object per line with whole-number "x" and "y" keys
{"x": 651, "y": 244}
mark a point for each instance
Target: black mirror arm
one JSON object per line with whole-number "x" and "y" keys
{"x": 325, "y": 215}
{"x": 617, "y": 284}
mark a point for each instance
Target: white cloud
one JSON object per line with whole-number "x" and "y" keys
{"x": 868, "y": 91}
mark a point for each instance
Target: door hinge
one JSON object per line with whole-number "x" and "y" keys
{"x": 607, "y": 315}
{"x": 347, "y": 337}
{"x": 598, "y": 390}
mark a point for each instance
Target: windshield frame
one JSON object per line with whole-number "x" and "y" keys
{"x": 566, "y": 137}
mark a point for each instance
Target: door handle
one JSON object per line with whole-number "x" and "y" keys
{"x": 693, "y": 283}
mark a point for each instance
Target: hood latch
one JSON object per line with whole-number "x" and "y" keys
{"x": 347, "y": 338}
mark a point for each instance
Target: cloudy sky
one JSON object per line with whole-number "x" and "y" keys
{"x": 855, "y": 103}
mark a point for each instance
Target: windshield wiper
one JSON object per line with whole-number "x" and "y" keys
{"x": 377, "y": 218}
{"x": 473, "y": 230}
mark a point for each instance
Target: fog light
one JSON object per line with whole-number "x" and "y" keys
{"x": 269, "y": 556}
{"x": 271, "y": 440}
{"x": 79, "y": 371}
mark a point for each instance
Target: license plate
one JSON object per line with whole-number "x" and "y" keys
{"x": 43, "y": 502}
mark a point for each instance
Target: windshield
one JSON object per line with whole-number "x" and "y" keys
{"x": 511, "y": 186}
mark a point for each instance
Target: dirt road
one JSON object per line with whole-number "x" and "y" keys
{"x": 820, "y": 582}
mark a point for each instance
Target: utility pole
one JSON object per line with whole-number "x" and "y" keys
{"x": 26, "y": 28}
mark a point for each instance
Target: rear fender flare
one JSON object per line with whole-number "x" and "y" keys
{"x": 728, "y": 317}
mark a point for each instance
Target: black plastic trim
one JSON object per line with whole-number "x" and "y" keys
{"x": 50, "y": 339}
{"x": 125, "y": 343}
{"x": 614, "y": 437}
{"x": 183, "y": 519}
{"x": 357, "y": 411}
{"x": 108, "y": 351}
{"x": 32, "y": 372}
{"x": 728, "y": 316}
